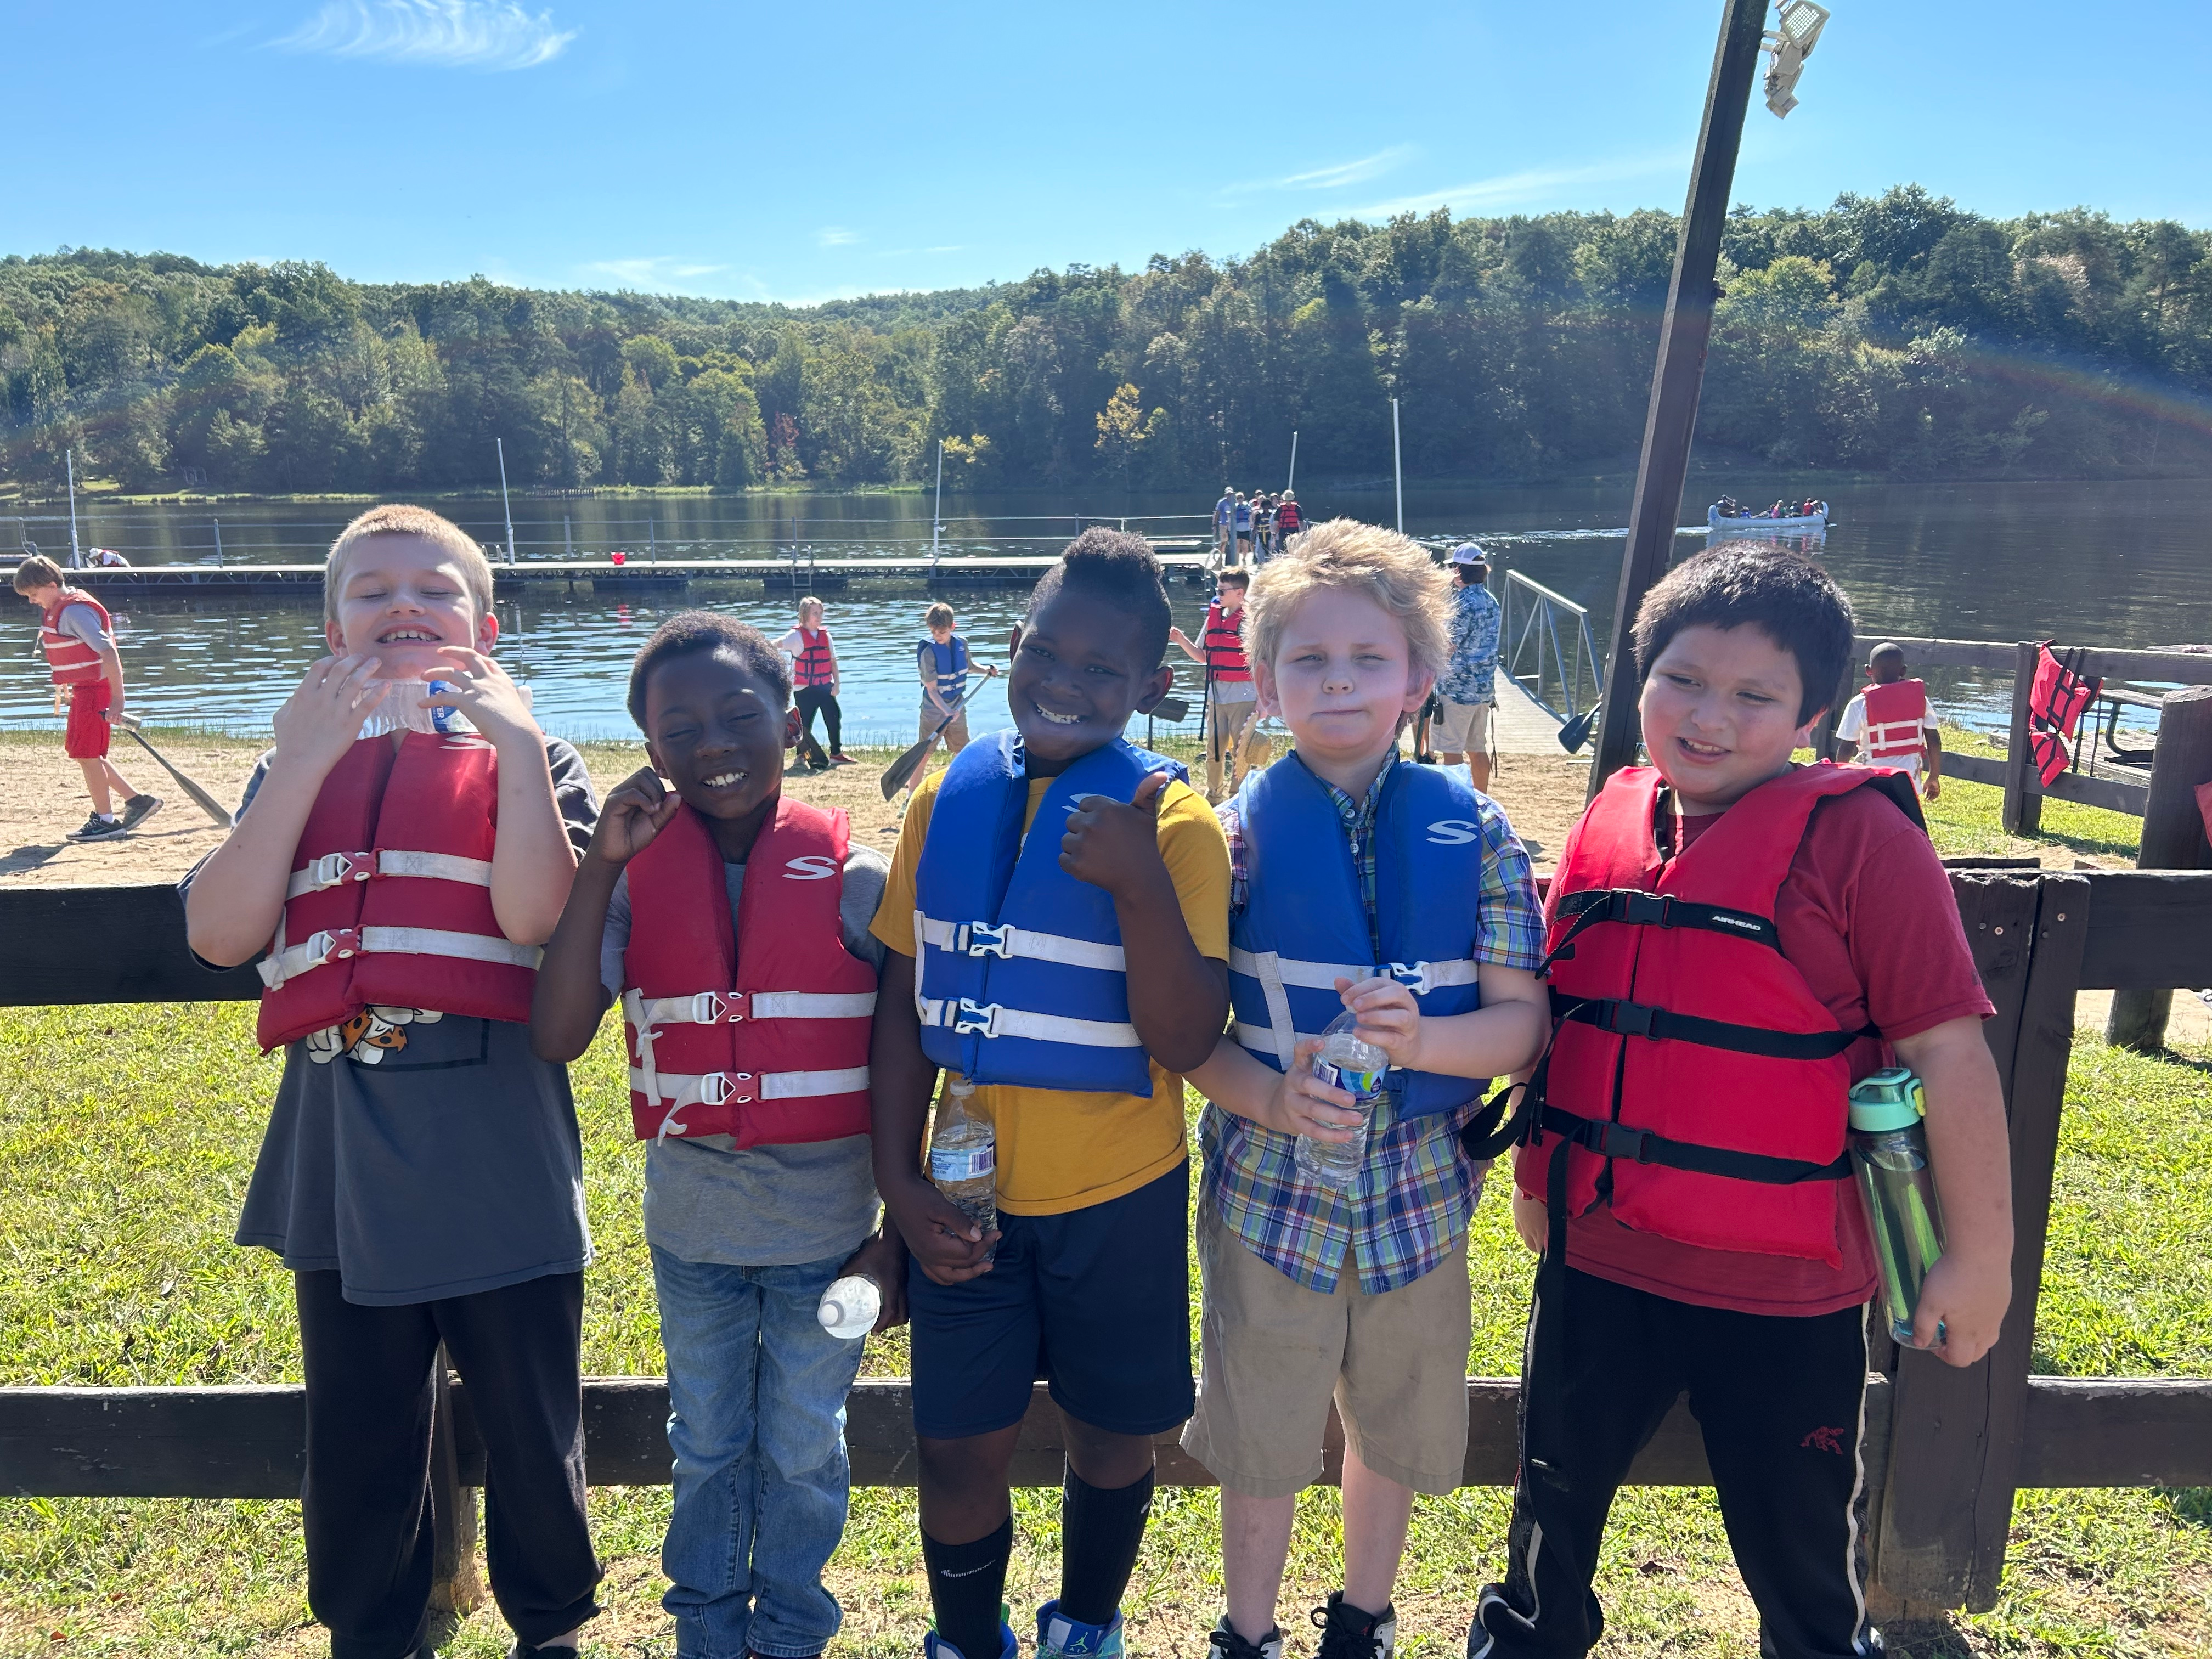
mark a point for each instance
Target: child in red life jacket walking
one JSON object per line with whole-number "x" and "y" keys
{"x": 1735, "y": 940}
{"x": 1232, "y": 708}
{"x": 1891, "y": 719}
{"x": 731, "y": 924}
{"x": 1028, "y": 874}
{"x": 77, "y": 636}
{"x": 814, "y": 678}
{"x": 1345, "y": 859}
{"x": 421, "y": 1174}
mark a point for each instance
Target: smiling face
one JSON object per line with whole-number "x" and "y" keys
{"x": 1080, "y": 671}
{"x": 1720, "y": 715}
{"x": 400, "y": 599}
{"x": 714, "y": 730}
{"x": 1342, "y": 678}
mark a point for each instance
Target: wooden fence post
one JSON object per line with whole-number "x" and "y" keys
{"x": 2173, "y": 839}
{"x": 2022, "y": 812}
{"x": 454, "y": 1590}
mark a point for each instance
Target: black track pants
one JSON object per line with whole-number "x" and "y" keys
{"x": 367, "y": 1496}
{"x": 1778, "y": 1400}
{"x": 809, "y": 698}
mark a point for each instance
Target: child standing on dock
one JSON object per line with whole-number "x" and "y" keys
{"x": 814, "y": 678}
{"x": 1231, "y": 700}
{"x": 1342, "y": 853}
{"x": 1891, "y": 719}
{"x": 79, "y": 640}
{"x": 422, "y": 1174}
{"x": 1022, "y": 988}
{"x": 942, "y": 661}
{"x": 1734, "y": 941}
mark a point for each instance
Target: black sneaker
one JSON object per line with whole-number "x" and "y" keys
{"x": 1348, "y": 1633}
{"x": 1228, "y": 1645}
{"x": 97, "y": 828}
{"x": 139, "y": 808}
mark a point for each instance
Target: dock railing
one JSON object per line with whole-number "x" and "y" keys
{"x": 1560, "y": 674}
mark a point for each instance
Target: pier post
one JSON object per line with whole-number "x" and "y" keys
{"x": 2173, "y": 839}
{"x": 2021, "y": 813}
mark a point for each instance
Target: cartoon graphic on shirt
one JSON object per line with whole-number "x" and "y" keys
{"x": 368, "y": 1036}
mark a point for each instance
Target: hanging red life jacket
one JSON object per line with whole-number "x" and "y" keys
{"x": 815, "y": 665}
{"x": 767, "y": 1044}
{"x": 1223, "y": 645}
{"x": 389, "y": 903}
{"x": 69, "y": 659}
{"x": 1692, "y": 1068}
{"x": 1893, "y": 716}
{"x": 2055, "y": 703}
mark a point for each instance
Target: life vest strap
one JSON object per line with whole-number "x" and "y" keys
{"x": 713, "y": 1007}
{"x": 1609, "y": 1139}
{"x": 1418, "y": 977}
{"x": 334, "y": 869}
{"x": 1639, "y": 908}
{"x": 969, "y": 1018}
{"x": 683, "y": 1089}
{"x": 1006, "y": 941}
{"x": 1625, "y": 1018}
{"x": 289, "y": 961}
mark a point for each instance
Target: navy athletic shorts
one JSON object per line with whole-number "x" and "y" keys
{"x": 1095, "y": 1301}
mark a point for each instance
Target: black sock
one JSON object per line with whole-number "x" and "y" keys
{"x": 967, "y": 1586}
{"x": 1099, "y": 1533}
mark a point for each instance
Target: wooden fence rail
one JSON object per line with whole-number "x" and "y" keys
{"x": 1945, "y": 1448}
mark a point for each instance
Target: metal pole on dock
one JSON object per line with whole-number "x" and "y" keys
{"x": 76, "y": 553}
{"x": 1397, "y": 470}
{"x": 937, "y": 512}
{"x": 1678, "y": 376}
{"x": 652, "y": 543}
{"x": 218, "y": 544}
{"x": 567, "y": 539}
{"x": 1291, "y": 482}
{"x": 504, "y": 506}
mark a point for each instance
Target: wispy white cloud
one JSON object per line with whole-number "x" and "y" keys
{"x": 483, "y": 34}
{"x": 1337, "y": 175}
{"x": 837, "y": 236}
{"x": 653, "y": 273}
{"x": 1533, "y": 184}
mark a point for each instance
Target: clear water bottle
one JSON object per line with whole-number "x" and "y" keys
{"x": 1357, "y": 1066}
{"x": 963, "y": 1155}
{"x": 850, "y": 1307}
{"x": 403, "y": 710}
{"x": 1889, "y": 1154}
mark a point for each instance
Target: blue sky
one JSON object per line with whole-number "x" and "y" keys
{"x": 796, "y": 153}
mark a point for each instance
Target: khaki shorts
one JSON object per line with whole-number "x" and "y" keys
{"x": 955, "y": 734}
{"x": 1463, "y": 728}
{"x": 1274, "y": 1355}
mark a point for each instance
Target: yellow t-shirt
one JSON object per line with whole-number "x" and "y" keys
{"x": 1059, "y": 1151}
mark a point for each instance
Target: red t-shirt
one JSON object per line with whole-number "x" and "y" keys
{"x": 1866, "y": 915}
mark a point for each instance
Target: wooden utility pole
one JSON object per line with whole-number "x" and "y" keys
{"x": 1679, "y": 373}
{"x": 2173, "y": 839}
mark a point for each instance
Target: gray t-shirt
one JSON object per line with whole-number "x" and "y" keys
{"x": 81, "y": 621}
{"x": 763, "y": 1206}
{"x": 435, "y": 1158}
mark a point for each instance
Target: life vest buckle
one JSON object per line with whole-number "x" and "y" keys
{"x": 1414, "y": 975}
{"x": 334, "y": 945}
{"x": 980, "y": 938}
{"x": 1627, "y": 1018}
{"x": 708, "y": 1009}
{"x": 720, "y": 1089}
{"x": 332, "y": 868}
{"x": 977, "y": 1016}
{"x": 1646, "y": 909}
{"x": 1617, "y": 1141}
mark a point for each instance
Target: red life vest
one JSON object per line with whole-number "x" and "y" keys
{"x": 1223, "y": 645}
{"x": 814, "y": 666}
{"x": 1893, "y": 714}
{"x": 1691, "y": 1067}
{"x": 1286, "y": 517}
{"x": 767, "y": 1044}
{"x": 2055, "y": 699}
{"x": 71, "y": 661}
{"x": 390, "y": 900}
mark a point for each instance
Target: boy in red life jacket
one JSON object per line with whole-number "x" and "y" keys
{"x": 422, "y": 1174}
{"x": 1688, "y": 1190}
{"x": 731, "y": 921}
{"x": 1892, "y": 719}
{"x": 1232, "y": 705}
{"x": 814, "y": 678}
{"x": 81, "y": 654}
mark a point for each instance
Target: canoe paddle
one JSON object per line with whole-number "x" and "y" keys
{"x": 1575, "y": 732}
{"x": 204, "y": 801}
{"x": 902, "y": 770}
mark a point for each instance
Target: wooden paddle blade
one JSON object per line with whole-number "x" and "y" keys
{"x": 1173, "y": 710}
{"x": 895, "y": 776}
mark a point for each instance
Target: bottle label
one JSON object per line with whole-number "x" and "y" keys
{"x": 1360, "y": 1084}
{"x": 963, "y": 1163}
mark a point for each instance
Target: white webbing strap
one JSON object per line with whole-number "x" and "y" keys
{"x": 335, "y": 869}
{"x": 681, "y": 1088}
{"x": 978, "y": 939}
{"x": 1261, "y": 1040}
{"x": 1288, "y": 970}
{"x": 1894, "y": 737}
{"x": 813, "y": 1005}
{"x": 994, "y": 1020}
{"x": 1275, "y": 972}
{"x": 713, "y": 1007}
{"x": 288, "y": 962}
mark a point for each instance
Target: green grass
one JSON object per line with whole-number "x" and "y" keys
{"x": 126, "y": 1140}
{"x": 1965, "y": 819}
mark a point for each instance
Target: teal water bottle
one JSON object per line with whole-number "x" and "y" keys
{"x": 1889, "y": 1154}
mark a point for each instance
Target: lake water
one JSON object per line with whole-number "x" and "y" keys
{"x": 2122, "y": 565}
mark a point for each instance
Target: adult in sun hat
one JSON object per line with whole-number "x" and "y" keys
{"x": 1467, "y": 686}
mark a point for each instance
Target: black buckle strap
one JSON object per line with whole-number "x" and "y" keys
{"x": 1619, "y": 1142}
{"x": 1639, "y": 908}
{"x": 1625, "y": 1018}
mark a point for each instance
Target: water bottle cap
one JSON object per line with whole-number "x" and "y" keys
{"x": 1890, "y": 1099}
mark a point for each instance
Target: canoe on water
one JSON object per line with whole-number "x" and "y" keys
{"x": 1805, "y": 524}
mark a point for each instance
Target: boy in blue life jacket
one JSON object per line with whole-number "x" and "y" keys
{"x": 1734, "y": 940}
{"x": 1397, "y": 891}
{"x": 941, "y": 659}
{"x": 1026, "y": 874}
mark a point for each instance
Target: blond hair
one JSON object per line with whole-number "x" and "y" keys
{"x": 1345, "y": 556}
{"x": 939, "y": 615}
{"x": 39, "y": 571}
{"x": 398, "y": 518}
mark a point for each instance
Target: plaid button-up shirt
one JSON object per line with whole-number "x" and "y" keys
{"x": 1415, "y": 1193}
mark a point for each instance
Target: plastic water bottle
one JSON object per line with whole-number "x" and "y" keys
{"x": 963, "y": 1157}
{"x": 1357, "y": 1066}
{"x": 1889, "y": 1153}
{"x": 850, "y": 1306}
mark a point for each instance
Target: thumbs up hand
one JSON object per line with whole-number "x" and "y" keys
{"x": 1116, "y": 847}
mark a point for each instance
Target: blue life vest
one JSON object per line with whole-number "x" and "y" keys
{"x": 1304, "y": 923}
{"x": 951, "y": 665}
{"x": 1020, "y": 974}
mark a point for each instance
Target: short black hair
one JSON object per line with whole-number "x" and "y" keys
{"x": 1116, "y": 568}
{"x": 1234, "y": 577}
{"x": 690, "y": 631}
{"x": 1786, "y": 597}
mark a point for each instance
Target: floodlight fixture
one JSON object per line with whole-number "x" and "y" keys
{"x": 1797, "y": 27}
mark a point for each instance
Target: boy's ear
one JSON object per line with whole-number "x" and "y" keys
{"x": 1419, "y": 684}
{"x": 653, "y": 755}
{"x": 487, "y": 632}
{"x": 1263, "y": 677}
{"x": 334, "y": 637}
{"x": 1157, "y": 686}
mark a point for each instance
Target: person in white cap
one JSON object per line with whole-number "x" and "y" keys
{"x": 1467, "y": 686}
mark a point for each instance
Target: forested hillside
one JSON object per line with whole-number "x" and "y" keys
{"x": 1895, "y": 333}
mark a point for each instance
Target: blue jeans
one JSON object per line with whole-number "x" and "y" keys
{"x": 757, "y": 1390}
